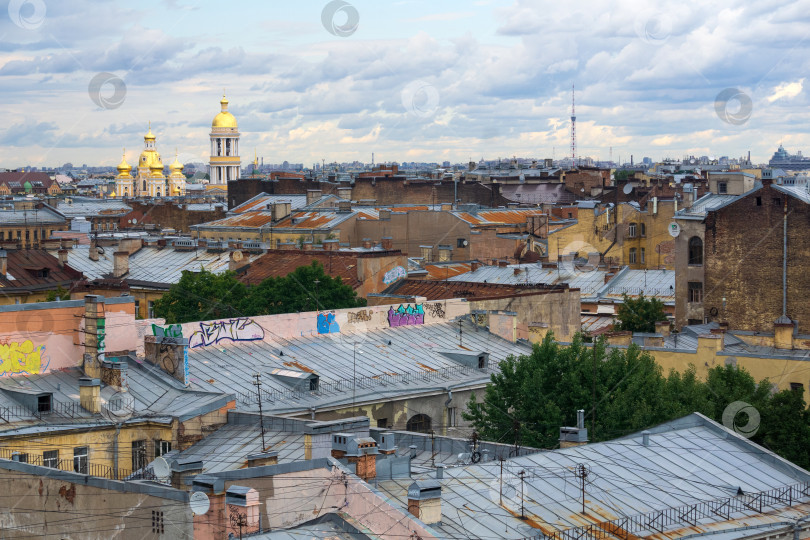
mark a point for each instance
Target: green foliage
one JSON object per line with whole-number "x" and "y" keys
{"x": 639, "y": 314}
{"x": 204, "y": 296}
{"x": 532, "y": 396}
{"x": 60, "y": 293}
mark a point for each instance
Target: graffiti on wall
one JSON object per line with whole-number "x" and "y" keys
{"x": 394, "y": 274}
{"x": 173, "y": 330}
{"x": 436, "y": 310}
{"x": 327, "y": 323}
{"x": 101, "y": 337}
{"x": 241, "y": 329}
{"x": 22, "y": 357}
{"x": 364, "y": 315}
{"x": 407, "y": 315}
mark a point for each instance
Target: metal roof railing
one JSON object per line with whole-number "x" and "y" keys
{"x": 632, "y": 527}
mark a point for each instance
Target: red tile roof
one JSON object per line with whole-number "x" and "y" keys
{"x": 281, "y": 262}
{"x": 444, "y": 290}
{"x": 36, "y": 268}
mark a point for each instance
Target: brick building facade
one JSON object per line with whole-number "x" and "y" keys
{"x": 744, "y": 252}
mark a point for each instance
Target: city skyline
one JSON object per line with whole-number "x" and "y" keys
{"x": 410, "y": 81}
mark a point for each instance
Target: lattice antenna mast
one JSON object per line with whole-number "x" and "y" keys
{"x": 573, "y": 130}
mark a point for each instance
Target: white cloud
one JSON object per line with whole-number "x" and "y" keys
{"x": 786, "y": 90}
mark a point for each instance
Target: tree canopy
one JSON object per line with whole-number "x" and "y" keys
{"x": 639, "y": 314}
{"x": 532, "y": 396}
{"x": 204, "y": 295}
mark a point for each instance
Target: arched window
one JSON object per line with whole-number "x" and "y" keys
{"x": 419, "y": 423}
{"x": 696, "y": 251}
{"x": 144, "y": 185}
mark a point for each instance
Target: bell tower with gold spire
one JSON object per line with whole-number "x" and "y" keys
{"x": 224, "y": 163}
{"x": 177, "y": 180}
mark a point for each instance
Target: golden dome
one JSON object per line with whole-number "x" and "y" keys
{"x": 149, "y": 135}
{"x": 124, "y": 167}
{"x": 224, "y": 119}
{"x": 156, "y": 166}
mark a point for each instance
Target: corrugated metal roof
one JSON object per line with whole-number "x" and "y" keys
{"x": 92, "y": 207}
{"x": 30, "y": 217}
{"x": 152, "y": 264}
{"x": 687, "y": 461}
{"x": 587, "y": 281}
{"x": 260, "y": 202}
{"x": 653, "y": 283}
{"x": 708, "y": 202}
{"x": 413, "y": 361}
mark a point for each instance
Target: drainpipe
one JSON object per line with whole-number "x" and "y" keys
{"x": 115, "y": 451}
{"x": 784, "y": 260}
{"x": 449, "y": 396}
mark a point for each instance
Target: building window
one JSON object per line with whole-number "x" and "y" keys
{"x": 150, "y": 310}
{"x": 643, "y": 229}
{"x": 382, "y": 422}
{"x": 451, "y": 416}
{"x": 797, "y": 387}
{"x": 80, "y": 460}
{"x": 137, "y": 308}
{"x": 722, "y": 188}
{"x": 162, "y": 448}
{"x": 632, "y": 231}
{"x": 138, "y": 455}
{"x": 9, "y": 235}
{"x": 157, "y": 521}
{"x": 419, "y": 423}
{"x": 696, "y": 251}
{"x": 777, "y": 201}
{"x": 759, "y": 201}
{"x": 695, "y": 291}
{"x": 44, "y": 403}
{"x": 35, "y": 234}
{"x": 19, "y": 235}
{"x": 50, "y": 458}
{"x": 570, "y": 215}
{"x": 22, "y": 458}
{"x": 642, "y": 255}
{"x": 632, "y": 255}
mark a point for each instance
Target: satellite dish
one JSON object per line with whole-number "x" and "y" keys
{"x": 160, "y": 467}
{"x": 199, "y": 503}
{"x": 134, "y": 221}
{"x": 628, "y": 189}
{"x": 674, "y": 230}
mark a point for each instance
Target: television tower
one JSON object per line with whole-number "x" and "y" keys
{"x": 573, "y": 130}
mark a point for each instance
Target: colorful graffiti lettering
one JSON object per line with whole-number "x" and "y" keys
{"x": 173, "y": 330}
{"x": 394, "y": 274}
{"x": 233, "y": 329}
{"x": 406, "y": 316}
{"x": 327, "y": 323}
{"x": 22, "y": 358}
{"x": 364, "y": 315}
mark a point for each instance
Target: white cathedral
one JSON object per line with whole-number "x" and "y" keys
{"x": 149, "y": 180}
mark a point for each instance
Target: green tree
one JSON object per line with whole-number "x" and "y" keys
{"x": 307, "y": 288}
{"x": 203, "y": 295}
{"x": 639, "y": 314}
{"x": 200, "y": 296}
{"x": 60, "y": 293}
{"x": 532, "y": 396}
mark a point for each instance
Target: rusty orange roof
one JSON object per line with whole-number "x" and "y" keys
{"x": 447, "y": 270}
{"x": 256, "y": 218}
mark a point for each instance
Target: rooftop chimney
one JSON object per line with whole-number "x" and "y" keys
{"x": 331, "y": 244}
{"x": 663, "y": 328}
{"x": 120, "y": 264}
{"x": 93, "y": 252}
{"x": 387, "y": 243}
{"x": 313, "y": 195}
{"x": 574, "y": 436}
{"x": 89, "y": 394}
{"x": 367, "y": 243}
{"x": 475, "y": 265}
{"x": 425, "y": 501}
{"x": 783, "y": 333}
{"x": 645, "y": 438}
{"x": 63, "y": 257}
{"x": 3, "y": 262}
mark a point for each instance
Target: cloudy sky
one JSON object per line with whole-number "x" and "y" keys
{"x": 411, "y": 80}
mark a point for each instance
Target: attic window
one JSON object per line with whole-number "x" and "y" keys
{"x": 44, "y": 403}
{"x": 43, "y": 272}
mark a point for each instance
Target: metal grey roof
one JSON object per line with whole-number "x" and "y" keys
{"x": 260, "y": 202}
{"x": 587, "y": 281}
{"x": 88, "y": 207}
{"x": 154, "y": 395}
{"x": 798, "y": 191}
{"x": 152, "y": 264}
{"x": 653, "y": 283}
{"x": 414, "y": 362}
{"x": 688, "y": 461}
{"x": 710, "y": 201}
{"x": 34, "y": 216}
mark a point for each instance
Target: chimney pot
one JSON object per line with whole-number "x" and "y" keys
{"x": 120, "y": 263}
{"x": 645, "y": 438}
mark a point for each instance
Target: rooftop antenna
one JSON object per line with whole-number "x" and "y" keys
{"x": 258, "y": 384}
